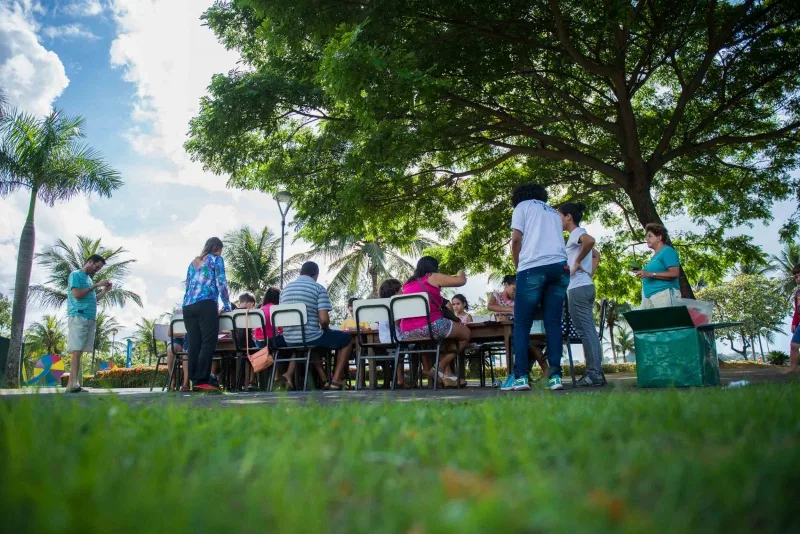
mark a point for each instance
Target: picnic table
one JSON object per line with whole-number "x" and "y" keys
{"x": 495, "y": 331}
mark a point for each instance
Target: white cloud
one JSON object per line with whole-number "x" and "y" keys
{"x": 169, "y": 56}
{"x": 69, "y": 31}
{"x": 83, "y": 8}
{"x": 32, "y": 76}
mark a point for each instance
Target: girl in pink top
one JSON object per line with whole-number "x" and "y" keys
{"x": 426, "y": 278}
{"x": 271, "y": 297}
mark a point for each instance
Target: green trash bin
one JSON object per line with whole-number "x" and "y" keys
{"x": 671, "y": 351}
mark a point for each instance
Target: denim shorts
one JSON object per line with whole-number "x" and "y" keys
{"x": 796, "y": 336}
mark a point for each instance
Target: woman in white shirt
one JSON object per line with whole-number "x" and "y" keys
{"x": 582, "y": 259}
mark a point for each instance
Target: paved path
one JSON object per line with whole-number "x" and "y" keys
{"x": 617, "y": 383}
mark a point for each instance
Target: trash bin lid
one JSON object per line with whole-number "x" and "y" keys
{"x": 659, "y": 319}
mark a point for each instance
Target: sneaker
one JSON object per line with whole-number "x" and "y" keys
{"x": 213, "y": 381}
{"x": 515, "y": 384}
{"x": 205, "y": 388}
{"x": 555, "y": 383}
{"x": 589, "y": 382}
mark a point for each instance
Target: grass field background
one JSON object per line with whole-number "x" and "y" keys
{"x": 657, "y": 461}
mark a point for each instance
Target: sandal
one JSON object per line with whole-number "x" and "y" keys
{"x": 336, "y": 386}
{"x": 462, "y": 382}
{"x": 185, "y": 389}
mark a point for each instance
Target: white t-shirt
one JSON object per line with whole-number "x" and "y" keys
{"x": 384, "y": 333}
{"x": 542, "y": 234}
{"x": 580, "y": 278}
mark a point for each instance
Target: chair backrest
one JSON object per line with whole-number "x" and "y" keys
{"x": 249, "y": 319}
{"x": 410, "y": 306}
{"x": 288, "y": 315}
{"x": 372, "y": 310}
{"x": 568, "y": 330}
{"x": 177, "y": 325}
{"x": 226, "y": 322}
{"x": 161, "y": 333}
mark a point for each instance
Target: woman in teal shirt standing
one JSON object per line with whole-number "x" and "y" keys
{"x": 660, "y": 285}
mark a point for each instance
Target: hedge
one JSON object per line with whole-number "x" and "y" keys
{"x": 135, "y": 377}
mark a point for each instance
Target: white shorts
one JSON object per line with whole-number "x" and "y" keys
{"x": 662, "y": 299}
{"x": 81, "y": 334}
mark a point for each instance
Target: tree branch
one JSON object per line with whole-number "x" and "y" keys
{"x": 563, "y": 37}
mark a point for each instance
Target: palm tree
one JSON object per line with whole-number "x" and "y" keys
{"x": 46, "y": 157}
{"x": 104, "y": 336}
{"x": 60, "y": 260}
{"x": 614, "y": 311}
{"x": 252, "y": 260}
{"x": 624, "y": 341}
{"x": 360, "y": 262}
{"x": 785, "y": 262}
{"x": 47, "y": 336}
{"x": 143, "y": 335}
{"x": 761, "y": 268}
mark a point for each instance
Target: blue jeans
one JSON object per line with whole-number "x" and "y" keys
{"x": 546, "y": 284}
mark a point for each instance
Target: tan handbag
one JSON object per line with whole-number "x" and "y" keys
{"x": 259, "y": 360}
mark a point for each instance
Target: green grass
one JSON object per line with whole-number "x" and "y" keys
{"x": 666, "y": 461}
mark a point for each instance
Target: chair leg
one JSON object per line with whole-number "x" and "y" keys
{"x": 155, "y": 374}
{"x": 168, "y": 385}
{"x": 436, "y": 367}
{"x": 491, "y": 366}
{"x": 272, "y": 372}
{"x": 571, "y": 365}
{"x": 395, "y": 369}
{"x": 358, "y": 368}
{"x": 308, "y": 365}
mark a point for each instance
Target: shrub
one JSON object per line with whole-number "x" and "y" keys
{"x": 778, "y": 357}
{"x": 135, "y": 377}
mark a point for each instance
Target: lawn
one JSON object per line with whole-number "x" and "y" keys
{"x": 668, "y": 461}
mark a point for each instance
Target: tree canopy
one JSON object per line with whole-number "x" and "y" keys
{"x": 401, "y": 116}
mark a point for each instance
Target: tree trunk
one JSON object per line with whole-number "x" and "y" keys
{"x": 373, "y": 276}
{"x": 646, "y": 213}
{"x": 761, "y": 348}
{"x": 753, "y": 348}
{"x": 611, "y": 338}
{"x": 27, "y": 242}
{"x": 743, "y": 352}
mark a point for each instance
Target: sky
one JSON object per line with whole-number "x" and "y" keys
{"x": 136, "y": 70}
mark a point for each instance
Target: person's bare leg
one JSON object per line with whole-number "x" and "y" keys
{"x": 794, "y": 357}
{"x": 75, "y": 370}
{"x": 462, "y": 335}
{"x": 289, "y": 374}
{"x": 342, "y": 357}
{"x": 185, "y": 372}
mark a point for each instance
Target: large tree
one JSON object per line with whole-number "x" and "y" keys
{"x": 61, "y": 259}
{"x": 252, "y": 260}
{"x": 400, "y": 113}
{"x": 47, "y": 158}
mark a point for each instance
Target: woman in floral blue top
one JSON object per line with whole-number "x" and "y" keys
{"x": 205, "y": 284}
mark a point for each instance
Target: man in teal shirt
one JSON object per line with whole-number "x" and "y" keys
{"x": 660, "y": 286}
{"x": 82, "y": 296}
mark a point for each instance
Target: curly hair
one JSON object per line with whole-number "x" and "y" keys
{"x": 530, "y": 191}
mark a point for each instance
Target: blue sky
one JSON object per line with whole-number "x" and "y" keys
{"x": 135, "y": 69}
